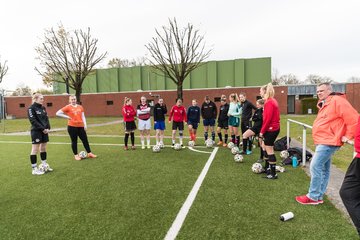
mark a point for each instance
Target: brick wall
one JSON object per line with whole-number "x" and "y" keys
{"x": 96, "y": 104}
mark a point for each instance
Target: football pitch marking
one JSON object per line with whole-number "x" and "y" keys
{"x": 180, "y": 218}
{"x": 195, "y": 150}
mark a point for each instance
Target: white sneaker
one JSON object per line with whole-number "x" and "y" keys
{"x": 37, "y": 171}
{"x": 46, "y": 168}
{"x": 148, "y": 146}
{"x": 142, "y": 146}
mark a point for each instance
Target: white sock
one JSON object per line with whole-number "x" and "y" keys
{"x": 43, "y": 162}
{"x": 34, "y": 165}
{"x": 148, "y": 141}
{"x": 173, "y": 141}
{"x": 142, "y": 142}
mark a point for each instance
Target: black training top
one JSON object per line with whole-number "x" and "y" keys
{"x": 223, "y": 112}
{"x": 258, "y": 117}
{"x": 208, "y": 110}
{"x": 159, "y": 112}
{"x": 193, "y": 114}
{"x": 247, "y": 108}
{"x": 38, "y": 117}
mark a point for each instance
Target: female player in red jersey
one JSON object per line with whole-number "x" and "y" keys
{"x": 129, "y": 114}
{"x": 178, "y": 116}
{"x": 76, "y": 126}
{"x": 270, "y": 128}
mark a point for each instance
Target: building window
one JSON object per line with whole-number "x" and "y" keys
{"x": 22, "y": 105}
{"x": 110, "y": 102}
{"x": 217, "y": 99}
{"x": 49, "y": 104}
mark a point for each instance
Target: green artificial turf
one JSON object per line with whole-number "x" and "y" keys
{"x": 137, "y": 195}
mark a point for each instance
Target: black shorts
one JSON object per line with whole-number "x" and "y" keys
{"x": 178, "y": 125}
{"x": 270, "y": 137}
{"x": 194, "y": 124}
{"x": 130, "y": 126}
{"x": 245, "y": 125}
{"x": 256, "y": 129}
{"x": 223, "y": 124}
{"x": 38, "y": 137}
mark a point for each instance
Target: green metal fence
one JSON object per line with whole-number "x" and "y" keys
{"x": 212, "y": 74}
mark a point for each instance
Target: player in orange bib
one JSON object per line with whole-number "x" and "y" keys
{"x": 76, "y": 126}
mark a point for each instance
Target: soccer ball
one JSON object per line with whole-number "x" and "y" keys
{"x": 235, "y": 150}
{"x": 161, "y": 145}
{"x": 257, "y": 168}
{"x": 209, "y": 143}
{"x": 238, "y": 158}
{"x": 280, "y": 169}
{"x": 177, "y": 146}
{"x": 284, "y": 154}
{"x": 82, "y": 154}
{"x": 42, "y": 167}
{"x": 156, "y": 148}
{"x": 230, "y": 145}
{"x": 191, "y": 143}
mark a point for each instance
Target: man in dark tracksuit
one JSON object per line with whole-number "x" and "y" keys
{"x": 246, "y": 115}
{"x": 350, "y": 189}
{"x": 208, "y": 113}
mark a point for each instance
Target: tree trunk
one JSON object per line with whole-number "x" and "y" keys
{"x": 78, "y": 91}
{"x": 179, "y": 90}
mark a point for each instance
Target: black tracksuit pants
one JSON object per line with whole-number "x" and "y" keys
{"x": 76, "y": 132}
{"x": 350, "y": 192}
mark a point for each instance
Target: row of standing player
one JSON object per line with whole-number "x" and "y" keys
{"x": 178, "y": 115}
{"x": 40, "y": 128}
{"x": 266, "y": 120}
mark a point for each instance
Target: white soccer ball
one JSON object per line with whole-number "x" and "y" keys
{"x": 257, "y": 168}
{"x": 177, "y": 146}
{"x": 284, "y": 154}
{"x": 82, "y": 154}
{"x": 238, "y": 158}
{"x": 280, "y": 169}
{"x": 209, "y": 143}
{"x": 191, "y": 143}
{"x": 235, "y": 150}
{"x": 161, "y": 145}
{"x": 156, "y": 148}
{"x": 230, "y": 145}
{"x": 42, "y": 167}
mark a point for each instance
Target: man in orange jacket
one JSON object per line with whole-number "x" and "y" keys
{"x": 335, "y": 124}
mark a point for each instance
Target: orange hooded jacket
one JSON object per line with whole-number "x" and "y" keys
{"x": 336, "y": 118}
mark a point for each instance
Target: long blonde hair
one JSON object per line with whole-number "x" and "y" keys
{"x": 126, "y": 100}
{"x": 269, "y": 91}
{"x": 35, "y": 97}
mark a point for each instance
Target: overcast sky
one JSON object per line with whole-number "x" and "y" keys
{"x": 302, "y": 37}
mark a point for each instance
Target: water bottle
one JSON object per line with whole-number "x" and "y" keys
{"x": 294, "y": 161}
{"x": 286, "y": 216}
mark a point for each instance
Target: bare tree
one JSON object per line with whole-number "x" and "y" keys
{"x": 120, "y": 63}
{"x": 290, "y": 78}
{"x": 70, "y": 56}
{"x": 275, "y": 77}
{"x": 176, "y": 52}
{"x": 3, "y": 70}
{"x": 22, "y": 90}
{"x": 316, "y": 79}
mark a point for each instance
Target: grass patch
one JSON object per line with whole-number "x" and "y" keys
{"x": 137, "y": 195}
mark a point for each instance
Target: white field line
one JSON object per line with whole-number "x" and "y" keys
{"x": 92, "y": 144}
{"x": 180, "y": 218}
{"x": 192, "y": 149}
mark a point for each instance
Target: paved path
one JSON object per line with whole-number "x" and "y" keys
{"x": 336, "y": 179}
{"x": 64, "y": 129}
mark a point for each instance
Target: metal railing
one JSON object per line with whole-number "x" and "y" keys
{"x": 305, "y": 127}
